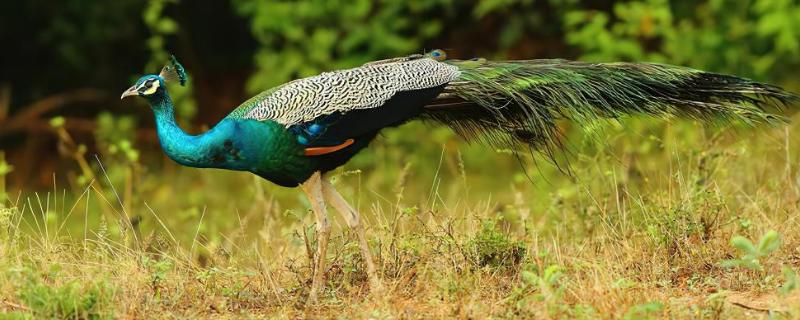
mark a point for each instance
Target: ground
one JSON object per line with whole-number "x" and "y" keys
{"x": 651, "y": 221}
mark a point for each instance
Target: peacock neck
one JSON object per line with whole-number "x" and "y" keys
{"x": 265, "y": 148}
{"x": 186, "y": 149}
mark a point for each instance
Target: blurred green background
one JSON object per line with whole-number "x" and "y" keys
{"x": 64, "y": 64}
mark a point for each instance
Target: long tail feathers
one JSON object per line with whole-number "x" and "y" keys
{"x": 517, "y": 103}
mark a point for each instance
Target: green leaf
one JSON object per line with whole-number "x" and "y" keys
{"x": 488, "y": 6}
{"x": 733, "y": 263}
{"x": 791, "y": 281}
{"x": 167, "y": 26}
{"x": 552, "y": 274}
{"x": 643, "y": 311}
{"x": 743, "y": 244}
{"x": 5, "y": 168}
{"x": 529, "y": 277}
{"x": 57, "y": 122}
{"x": 769, "y": 242}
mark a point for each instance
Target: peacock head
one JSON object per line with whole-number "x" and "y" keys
{"x": 153, "y": 85}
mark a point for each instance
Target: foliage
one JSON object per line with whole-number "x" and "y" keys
{"x": 63, "y": 43}
{"x": 752, "y": 254}
{"x": 5, "y": 169}
{"x": 791, "y": 281}
{"x": 159, "y": 270}
{"x": 162, "y": 26}
{"x": 303, "y": 38}
{"x": 9, "y": 232}
{"x": 425, "y": 251}
{"x": 491, "y": 247}
{"x": 70, "y": 300}
{"x": 756, "y": 38}
{"x": 643, "y": 311}
{"x": 114, "y": 136}
{"x": 546, "y": 286}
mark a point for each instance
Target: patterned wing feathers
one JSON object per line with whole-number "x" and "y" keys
{"x": 368, "y": 86}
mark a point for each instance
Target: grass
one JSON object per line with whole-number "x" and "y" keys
{"x": 657, "y": 221}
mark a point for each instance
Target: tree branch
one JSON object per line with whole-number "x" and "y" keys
{"x": 34, "y": 112}
{"x": 5, "y": 101}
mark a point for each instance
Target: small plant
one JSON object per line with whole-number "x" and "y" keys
{"x": 114, "y": 135}
{"x": 696, "y": 217}
{"x": 229, "y": 282}
{"x": 744, "y": 223}
{"x": 752, "y": 254}
{"x": 159, "y": 270}
{"x": 643, "y": 311}
{"x": 74, "y": 299}
{"x": 791, "y": 281}
{"x": 5, "y": 169}
{"x": 545, "y": 286}
{"x": 76, "y": 151}
{"x": 713, "y": 307}
{"x": 548, "y": 283}
{"x": 495, "y": 249}
{"x": 9, "y": 233}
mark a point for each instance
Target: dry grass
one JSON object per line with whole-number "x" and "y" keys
{"x": 640, "y": 234}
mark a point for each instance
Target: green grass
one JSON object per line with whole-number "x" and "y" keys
{"x": 656, "y": 221}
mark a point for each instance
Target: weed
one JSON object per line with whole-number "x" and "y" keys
{"x": 493, "y": 248}
{"x": 9, "y": 232}
{"x": 791, "y": 281}
{"x": 158, "y": 272}
{"x": 69, "y": 300}
{"x": 751, "y": 254}
{"x": 541, "y": 286}
{"x": 643, "y": 311}
{"x": 5, "y": 169}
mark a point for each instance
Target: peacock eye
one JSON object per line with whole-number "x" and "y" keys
{"x": 149, "y": 87}
{"x": 438, "y": 55}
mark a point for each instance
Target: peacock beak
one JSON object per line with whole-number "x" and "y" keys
{"x": 130, "y": 92}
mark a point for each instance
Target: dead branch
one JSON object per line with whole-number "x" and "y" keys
{"x": 5, "y": 101}
{"x": 30, "y": 114}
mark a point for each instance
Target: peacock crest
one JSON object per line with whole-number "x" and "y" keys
{"x": 174, "y": 71}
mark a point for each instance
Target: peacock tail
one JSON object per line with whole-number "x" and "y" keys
{"x": 517, "y": 103}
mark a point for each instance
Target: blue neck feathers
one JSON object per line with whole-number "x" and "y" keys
{"x": 212, "y": 149}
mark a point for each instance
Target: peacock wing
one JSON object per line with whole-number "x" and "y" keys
{"x": 339, "y": 92}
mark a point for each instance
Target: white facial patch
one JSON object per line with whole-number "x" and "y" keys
{"x": 152, "y": 89}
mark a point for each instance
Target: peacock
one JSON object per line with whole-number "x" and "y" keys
{"x": 293, "y": 134}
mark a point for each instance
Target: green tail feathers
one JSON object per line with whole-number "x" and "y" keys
{"x": 512, "y": 103}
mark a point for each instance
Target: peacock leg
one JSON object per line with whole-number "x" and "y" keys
{"x": 313, "y": 189}
{"x": 354, "y": 222}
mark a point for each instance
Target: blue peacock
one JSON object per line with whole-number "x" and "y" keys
{"x": 293, "y": 134}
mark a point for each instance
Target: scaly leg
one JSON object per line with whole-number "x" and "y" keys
{"x": 313, "y": 189}
{"x": 354, "y": 221}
